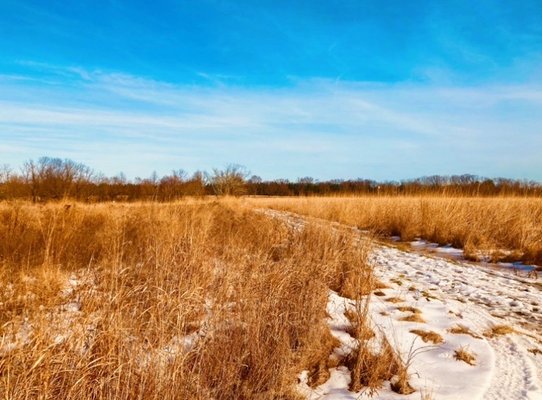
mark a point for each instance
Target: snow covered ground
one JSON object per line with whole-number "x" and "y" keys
{"x": 451, "y": 252}
{"x": 462, "y": 303}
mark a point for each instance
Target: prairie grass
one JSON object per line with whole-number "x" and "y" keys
{"x": 499, "y": 330}
{"x": 463, "y": 354}
{"x": 188, "y": 300}
{"x": 499, "y": 227}
{"x": 428, "y": 336}
{"x": 463, "y": 330}
{"x": 413, "y": 318}
{"x": 410, "y": 309}
{"x": 395, "y": 300}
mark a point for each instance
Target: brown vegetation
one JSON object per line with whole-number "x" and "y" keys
{"x": 463, "y": 330}
{"x": 395, "y": 300}
{"x": 409, "y": 309}
{"x": 499, "y": 330}
{"x": 53, "y": 178}
{"x": 413, "y": 318}
{"x": 501, "y": 227}
{"x": 463, "y": 354}
{"x": 166, "y": 301}
{"x": 428, "y": 336}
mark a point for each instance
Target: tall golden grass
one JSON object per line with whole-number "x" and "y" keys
{"x": 185, "y": 300}
{"x": 494, "y": 226}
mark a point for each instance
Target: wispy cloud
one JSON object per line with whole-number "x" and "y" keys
{"x": 324, "y": 128}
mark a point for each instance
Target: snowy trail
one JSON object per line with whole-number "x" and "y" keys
{"x": 500, "y": 293}
{"x": 448, "y": 294}
{"x": 477, "y": 298}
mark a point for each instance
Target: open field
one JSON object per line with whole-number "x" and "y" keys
{"x": 229, "y": 299}
{"x": 503, "y": 228}
{"x": 262, "y": 200}
{"x": 169, "y": 301}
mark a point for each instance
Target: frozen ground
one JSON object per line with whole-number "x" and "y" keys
{"x": 446, "y": 294}
{"x": 450, "y": 252}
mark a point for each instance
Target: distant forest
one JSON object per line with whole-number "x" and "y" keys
{"x": 55, "y": 179}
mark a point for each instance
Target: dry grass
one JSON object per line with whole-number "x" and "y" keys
{"x": 395, "y": 300}
{"x": 428, "y": 336}
{"x": 413, "y": 318}
{"x": 463, "y": 330}
{"x": 474, "y": 224}
{"x": 410, "y": 309}
{"x": 169, "y": 301}
{"x": 359, "y": 328}
{"x": 380, "y": 285}
{"x": 369, "y": 369}
{"x": 499, "y": 330}
{"x": 463, "y": 354}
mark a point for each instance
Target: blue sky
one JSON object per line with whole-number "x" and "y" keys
{"x": 383, "y": 90}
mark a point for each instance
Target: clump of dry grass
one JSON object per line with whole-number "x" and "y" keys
{"x": 197, "y": 299}
{"x": 463, "y": 330}
{"x": 428, "y": 296}
{"x": 488, "y": 225}
{"x": 410, "y": 309}
{"x": 415, "y": 314}
{"x": 463, "y": 354}
{"x": 358, "y": 326}
{"x": 499, "y": 330}
{"x": 395, "y": 300}
{"x": 428, "y": 336}
{"x": 400, "y": 384}
{"x": 370, "y": 370}
{"x": 380, "y": 285}
{"x": 413, "y": 318}
{"x": 319, "y": 362}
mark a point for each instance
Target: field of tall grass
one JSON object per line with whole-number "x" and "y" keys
{"x": 212, "y": 298}
{"x": 505, "y": 228}
{"x": 187, "y": 300}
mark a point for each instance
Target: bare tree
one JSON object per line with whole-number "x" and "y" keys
{"x": 5, "y": 173}
{"x": 229, "y": 182}
{"x": 53, "y": 178}
{"x": 30, "y": 175}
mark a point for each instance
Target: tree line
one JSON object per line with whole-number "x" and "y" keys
{"x": 55, "y": 179}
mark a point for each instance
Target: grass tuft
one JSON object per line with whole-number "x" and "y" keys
{"x": 413, "y": 318}
{"x": 463, "y": 330}
{"x": 428, "y": 336}
{"x": 395, "y": 300}
{"x": 499, "y": 330}
{"x": 463, "y": 354}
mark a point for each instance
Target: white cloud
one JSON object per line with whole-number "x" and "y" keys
{"x": 317, "y": 127}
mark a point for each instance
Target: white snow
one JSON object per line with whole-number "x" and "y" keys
{"x": 448, "y": 250}
{"x": 448, "y": 293}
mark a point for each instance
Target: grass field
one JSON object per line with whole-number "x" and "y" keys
{"x": 170, "y": 301}
{"x": 219, "y": 299}
{"x": 505, "y": 228}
